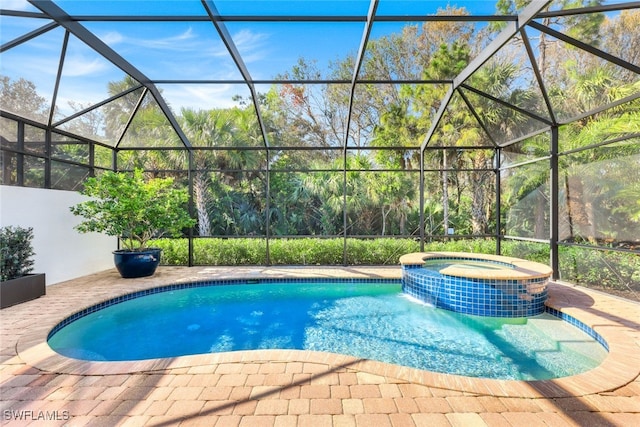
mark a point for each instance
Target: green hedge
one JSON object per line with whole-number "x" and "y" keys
{"x": 316, "y": 251}
{"x": 213, "y": 251}
{"x": 307, "y": 251}
{"x": 538, "y": 252}
{"x": 615, "y": 271}
{"x": 618, "y": 272}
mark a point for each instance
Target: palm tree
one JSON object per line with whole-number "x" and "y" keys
{"x": 205, "y": 129}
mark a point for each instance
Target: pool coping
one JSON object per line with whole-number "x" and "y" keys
{"x": 620, "y": 367}
{"x": 521, "y": 269}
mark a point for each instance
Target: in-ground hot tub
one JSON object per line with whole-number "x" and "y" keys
{"x": 478, "y": 284}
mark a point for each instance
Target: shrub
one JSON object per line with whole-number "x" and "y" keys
{"x": 609, "y": 270}
{"x": 482, "y": 246}
{"x": 174, "y": 251}
{"x": 592, "y": 268}
{"x": 538, "y": 252}
{"x": 306, "y": 251}
{"x": 132, "y": 208}
{"x": 215, "y": 251}
{"x": 379, "y": 251}
{"x": 17, "y": 251}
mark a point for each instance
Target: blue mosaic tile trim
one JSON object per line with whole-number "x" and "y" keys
{"x": 578, "y": 324}
{"x": 198, "y": 284}
{"x": 480, "y": 297}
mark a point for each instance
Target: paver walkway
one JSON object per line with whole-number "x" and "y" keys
{"x": 296, "y": 388}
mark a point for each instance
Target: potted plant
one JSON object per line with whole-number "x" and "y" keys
{"x": 135, "y": 210}
{"x": 17, "y": 284}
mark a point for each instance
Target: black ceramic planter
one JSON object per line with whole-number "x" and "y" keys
{"x": 133, "y": 264}
{"x": 22, "y": 289}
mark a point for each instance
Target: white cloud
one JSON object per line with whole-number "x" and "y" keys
{"x": 246, "y": 39}
{"x": 112, "y": 38}
{"x": 184, "y": 52}
{"x": 26, "y": 66}
{"x": 16, "y": 5}
{"x": 251, "y": 45}
{"x": 76, "y": 66}
{"x": 202, "y": 97}
{"x": 177, "y": 42}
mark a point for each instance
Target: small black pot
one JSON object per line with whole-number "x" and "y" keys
{"x": 133, "y": 264}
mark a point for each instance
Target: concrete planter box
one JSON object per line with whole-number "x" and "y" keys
{"x": 22, "y": 289}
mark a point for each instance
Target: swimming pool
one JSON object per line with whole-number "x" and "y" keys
{"x": 366, "y": 319}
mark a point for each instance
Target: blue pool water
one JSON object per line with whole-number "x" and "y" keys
{"x": 368, "y": 320}
{"x": 438, "y": 264}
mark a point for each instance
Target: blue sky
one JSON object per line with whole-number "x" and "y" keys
{"x": 183, "y": 50}
{"x": 268, "y": 7}
{"x": 193, "y": 50}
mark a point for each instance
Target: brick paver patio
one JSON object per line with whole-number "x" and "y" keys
{"x": 297, "y": 388}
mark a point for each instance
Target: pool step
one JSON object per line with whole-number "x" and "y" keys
{"x": 568, "y": 336}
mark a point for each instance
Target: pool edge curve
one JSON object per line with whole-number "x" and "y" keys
{"x": 612, "y": 373}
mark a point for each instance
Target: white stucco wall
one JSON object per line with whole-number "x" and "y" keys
{"x": 61, "y": 252}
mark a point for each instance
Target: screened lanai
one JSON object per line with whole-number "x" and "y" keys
{"x": 374, "y": 128}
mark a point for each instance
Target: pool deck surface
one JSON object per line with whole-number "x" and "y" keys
{"x": 297, "y": 388}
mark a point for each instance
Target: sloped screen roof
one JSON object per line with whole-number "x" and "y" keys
{"x": 347, "y": 63}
